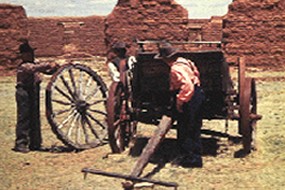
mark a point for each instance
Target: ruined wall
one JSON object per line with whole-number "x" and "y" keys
{"x": 212, "y": 30}
{"x": 205, "y": 30}
{"x": 252, "y": 28}
{"x": 46, "y": 35}
{"x": 83, "y": 36}
{"x": 256, "y": 30}
{"x": 148, "y": 19}
{"x": 13, "y": 26}
{"x": 195, "y": 29}
{"x": 63, "y": 35}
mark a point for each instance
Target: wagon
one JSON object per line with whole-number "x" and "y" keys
{"x": 146, "y": 96}
{"x": 88, "y": 114}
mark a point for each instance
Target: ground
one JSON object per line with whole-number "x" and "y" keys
{"x": 61, "y": 168}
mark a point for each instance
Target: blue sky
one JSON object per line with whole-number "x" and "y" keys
{"x": 38, "y": 8}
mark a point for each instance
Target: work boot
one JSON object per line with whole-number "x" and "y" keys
{"x": 188, "y": 161}
{"x": 21, "y": 148}
{"x": 192, "y": 161}
{"x": 39, "y": 148}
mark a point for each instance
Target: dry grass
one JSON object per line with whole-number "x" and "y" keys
{"x": 263, "y": 169}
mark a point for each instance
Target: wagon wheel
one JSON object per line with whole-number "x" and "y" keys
{"x": 121, "y": 125}
{"x": 248, "y": 108}
{"x": 76, "y": 106}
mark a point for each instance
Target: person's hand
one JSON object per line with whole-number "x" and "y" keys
{"x": 53, "y": 67}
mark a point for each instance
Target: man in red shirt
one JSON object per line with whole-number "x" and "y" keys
{"x": 184, "y": 80}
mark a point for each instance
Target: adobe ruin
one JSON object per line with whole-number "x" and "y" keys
{"x": 149, "y": 19}
{"x": 13, "y": 26}
{"x": 254, "y": 29}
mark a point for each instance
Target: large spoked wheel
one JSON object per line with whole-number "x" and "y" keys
{"x": 248, "y": 108}
{"x": 121, "y": 126}
{"x": 76, "y": 106}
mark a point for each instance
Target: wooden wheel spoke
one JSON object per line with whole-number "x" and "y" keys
{"x": 72, "y": 80}
{"x": 62, "y": 102}
{"x": 69, "y": 131}
{"x": 64, "y": 94}
{"x": 88, "y": 84}
{"x": 76, "y": 120}
{"x": 97, "y": 102}
{"x": 67, "y": 119}
{"x": 93, "y": 130}
{"x": 80, "y": 91}
{"x": 96, "y": 121}
{"x": 67, "y": 86}
{"x": 93, "y": 93}
{"x": 62, "y": 111}
{"x": 98, "y": 111}
{"x": 83, "y": 121}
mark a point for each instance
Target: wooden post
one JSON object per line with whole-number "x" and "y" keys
{"x": 241, "y": 85}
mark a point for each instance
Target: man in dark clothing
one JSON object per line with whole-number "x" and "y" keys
{"x": 120, "y": 61}
{"x": 185, "y": 81}
{"x": 28, "y": 132}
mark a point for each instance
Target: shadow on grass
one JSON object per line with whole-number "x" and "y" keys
{"x": 62, "y": 149}
{"x": 168, "y": 150}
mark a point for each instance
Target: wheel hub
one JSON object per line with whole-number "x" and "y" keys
{"x": 81, "y": 106}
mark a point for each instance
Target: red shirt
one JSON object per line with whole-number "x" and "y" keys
{"x": 184, "y": 75}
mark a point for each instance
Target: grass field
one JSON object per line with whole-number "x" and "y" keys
{"x": 263, "y": 169}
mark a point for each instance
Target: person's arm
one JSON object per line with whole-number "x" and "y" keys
{"x": 196, "y": 72}
{"x": 40, "y": 67}
{"x": 186, "y": 87}
{"x": 131, "y": 62}
{"x": 113, "y": 71}
{"x": 52, "y": 70}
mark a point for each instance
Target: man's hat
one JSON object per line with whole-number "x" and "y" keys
{"x": 166, "y": 50}
{"x": 119, "y": 45}
{"x": 25, "y": 46}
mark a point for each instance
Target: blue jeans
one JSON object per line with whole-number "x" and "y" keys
{"x": 190, "y": 123}
{"x": 28, "y": 131}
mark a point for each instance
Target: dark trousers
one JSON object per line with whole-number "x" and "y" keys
{"x": 28, "y": 131}
{"x": 190, "y": 123}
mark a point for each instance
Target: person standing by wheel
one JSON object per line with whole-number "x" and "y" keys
{"x": 120, "y": 61}
{"x": 185, "y": 83}
{"x": 28, "y": 132}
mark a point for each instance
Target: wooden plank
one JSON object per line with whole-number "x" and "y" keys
{"x": 158, "y": 136}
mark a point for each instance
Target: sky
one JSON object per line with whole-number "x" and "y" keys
{"x": 39, "y": 8}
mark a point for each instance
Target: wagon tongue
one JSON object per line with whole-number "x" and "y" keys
{"x": 131, "y": 179}
{"x": 158, "y": 136}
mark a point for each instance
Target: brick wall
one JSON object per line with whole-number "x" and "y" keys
{"x": 256, "y": 30}
{"x": 83, "y": 36}
{"x": 63, "y": 35}
{"x": 205, "y": 30}
{"x": 212, "y": 30}
{"x": 13, "y": 26}
{"x": 47, "y": 36}
{"x": 148, "y": 19}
